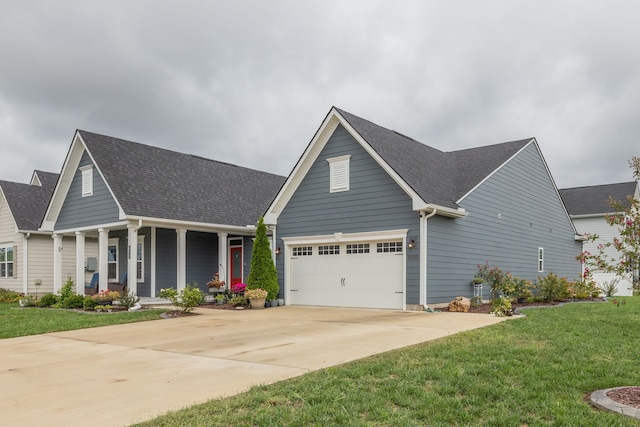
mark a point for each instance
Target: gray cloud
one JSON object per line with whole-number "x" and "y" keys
{"x": 249, "y": 82}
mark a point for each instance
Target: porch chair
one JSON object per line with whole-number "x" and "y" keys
{"x": 92, "y": 288}
{"x": 119, "y": 287}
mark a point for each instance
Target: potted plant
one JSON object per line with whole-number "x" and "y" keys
{"x": 215, "y": 284}
{"x": 106, "y": 297}
{"x": 256, "y": 297}
{"x": 221, "y": 298}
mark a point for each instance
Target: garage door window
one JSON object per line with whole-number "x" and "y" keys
{"x": 302, "y": 251}
{"x": 329, "y": 250}
{"x": 389, "y": 247}
{"x": 359, "y": 248}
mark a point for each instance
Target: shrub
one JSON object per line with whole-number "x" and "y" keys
{"x": 73, "y": 301}
{"x": 67, "y": 289}
{"x": 553, "y": 288}
{"x": 238, "y": 300}
{"x": 263, "y": 272}
{"x": 128, "y": 300}
{"x": 583, "y": 289}
{"x": 610, "y": 287}
{"x": 89, "y": 303}
{"x": 187, "y": 299}
{"x": 48, "y": 300}
{"x": 8, "y": 296}
{"x": 501, "y": 307}
{"x": 27, "y": 301}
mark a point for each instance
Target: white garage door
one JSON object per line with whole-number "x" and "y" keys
{"x": 348, "y": 274}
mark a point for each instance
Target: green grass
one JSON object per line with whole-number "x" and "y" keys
{"x": 16, "y": 321}
{"x": 533, "y": 371}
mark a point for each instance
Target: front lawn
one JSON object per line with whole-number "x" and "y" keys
{"x": 533, "y": 371}
{"x": 16, "y": 321}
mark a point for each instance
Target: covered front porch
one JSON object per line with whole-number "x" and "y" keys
{"x": 149, "y": 255}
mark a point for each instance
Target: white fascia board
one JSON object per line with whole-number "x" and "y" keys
{"x": 597, "y": 215}
{"x": 13, "y": 219}
{"x": 311, "y": 153}
{"x": 193, "y": 226}
{"x": 348, "y": 237}
{"x": 110, "y": 226}
{"x": 441, "y": 210}
{"x": 71, "y": 163}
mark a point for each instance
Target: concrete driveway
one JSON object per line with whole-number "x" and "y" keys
{"x": 118, "y": 375}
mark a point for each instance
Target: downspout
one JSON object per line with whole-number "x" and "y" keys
{"x": 423, "y": 258}
{"x": 25, "y": 260}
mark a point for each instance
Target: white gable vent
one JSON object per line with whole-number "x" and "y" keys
{"x": 339, "y": 174}
{"x": 87, "y": 180}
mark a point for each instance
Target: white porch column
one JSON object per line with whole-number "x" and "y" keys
{"x": 222, "y": 257}
{"x": 25, "y": 263}
{"x": 132, "y": 258}
{"x": 80, "y": 262}
{"x": 103, "y": 258}
{"x": 57, "y": 262}
{"x": 181, "y": 267}
{"x": 153, "y": 261}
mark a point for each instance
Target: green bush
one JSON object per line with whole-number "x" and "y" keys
{"x": 89, "y": 303}
{"x": 128, "y": 300}
{"x": 48, "y": 300}
{"x": 187, "y": 299}
{"x": 67, "y": 289}
{"x": 583, "y": 289}
{"x": 238, "y": 300}
{"x": 263, "y": 272}
{"x": 73, "y": 301}
{"x": 553, "y": 288}
{"x": 501, "y": 307}
{"x": 8, "y": 296}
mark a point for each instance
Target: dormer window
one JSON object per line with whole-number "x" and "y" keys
{"x": 339, "y": 174}
{"x": 87, "y": 180}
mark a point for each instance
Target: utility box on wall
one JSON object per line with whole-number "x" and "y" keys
{"x": 92, "y": 264}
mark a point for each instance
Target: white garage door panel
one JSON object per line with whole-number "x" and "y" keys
{"x": 371, "y": 280}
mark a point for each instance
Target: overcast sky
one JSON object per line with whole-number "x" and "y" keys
{"x": 249, "y": 82}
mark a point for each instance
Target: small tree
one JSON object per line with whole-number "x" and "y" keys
{"x": 263, "y": 272}
{"x": 627, "y": 219}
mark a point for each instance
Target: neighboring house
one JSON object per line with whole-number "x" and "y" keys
{"x": 588, "y": 207}
{"x": 371, "y": 218}
{"x": 163, "y": 218}
{"x": 26, "y": 254}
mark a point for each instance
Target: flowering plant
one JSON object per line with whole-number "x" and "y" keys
{"x": 238, "y": 288}
{"x": 216, "y": 282}
{"x": 256, "y": 293}
{"x": 106, "y": 295}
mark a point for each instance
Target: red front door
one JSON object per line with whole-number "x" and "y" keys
{"x": 235, "y": 260}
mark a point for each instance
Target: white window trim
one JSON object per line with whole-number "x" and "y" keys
{"x": 540, "y": 260}
{"x": 339, "y": 174}
{"x": 87, "y": 180}
{"x": 114, "y": 242}
{"x": 6, "y": 246}
{"x": 140, "y": 278}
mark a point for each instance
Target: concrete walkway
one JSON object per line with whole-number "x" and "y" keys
{"x": 118, "y": 375}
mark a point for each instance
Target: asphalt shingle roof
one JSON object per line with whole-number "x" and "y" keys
{"x": 158, "y": 183}
{"x": 593, "y": 199}
{"x": 28, "y": 203}
{"x": 438, "y": 177}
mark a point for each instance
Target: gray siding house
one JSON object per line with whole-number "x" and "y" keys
{"x": 372, "y": 218}
{"x": 159, "y": 218}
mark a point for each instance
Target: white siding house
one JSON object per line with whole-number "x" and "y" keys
{"x": 588, "y": 207}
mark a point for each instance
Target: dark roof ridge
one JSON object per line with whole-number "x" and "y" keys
{"x": 599, "y": 185}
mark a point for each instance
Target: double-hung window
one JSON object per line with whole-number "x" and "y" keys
{"x": 6, "y": 260}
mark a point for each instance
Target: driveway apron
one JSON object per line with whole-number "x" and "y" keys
{"x": 118, "y": 375}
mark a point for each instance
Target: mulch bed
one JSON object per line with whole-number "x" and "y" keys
{"x": 486, "y": 308}
{"x": 629, "y": 396}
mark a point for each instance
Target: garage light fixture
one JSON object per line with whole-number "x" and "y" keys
{"x": 411, "y": 243}
{"x": 278, "y": 251}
